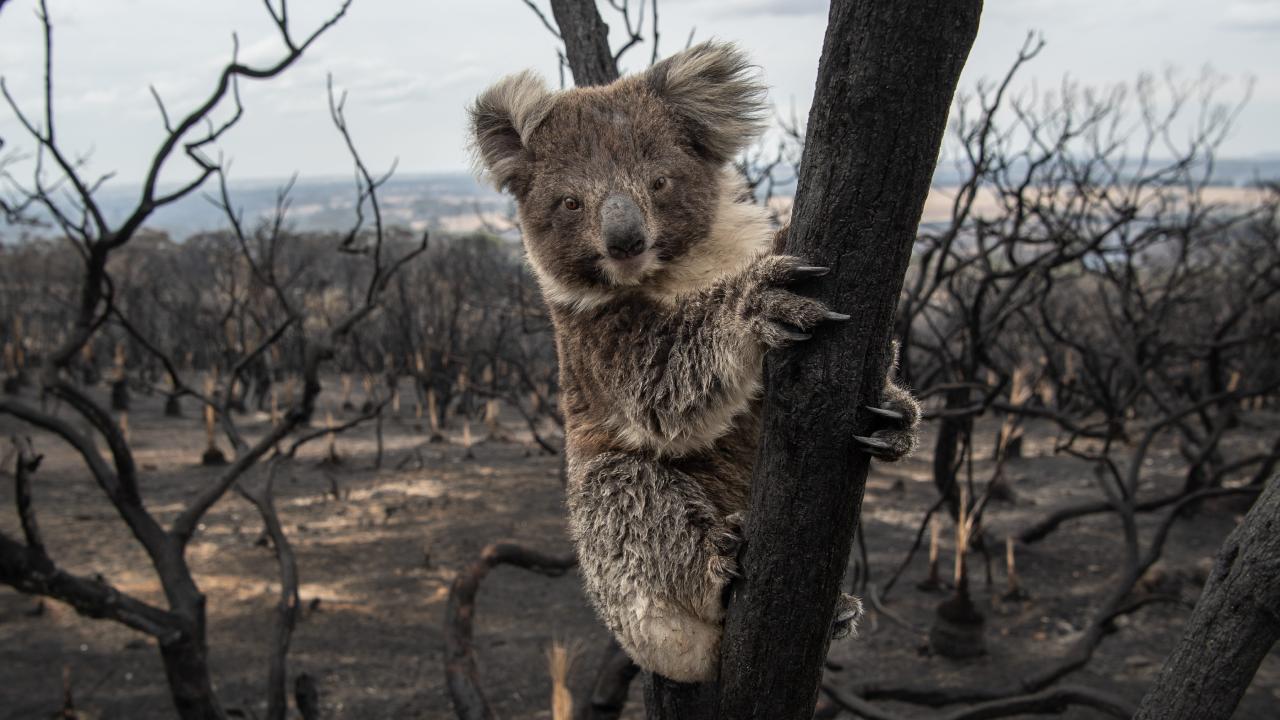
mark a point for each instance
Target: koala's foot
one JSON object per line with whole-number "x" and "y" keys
{"x": 728, "y": 542}
{"x": 896, "y": 425}
{"x": 728, "y": 546}
{"x": 776, "y": 315}
{"x": 848, "y": 612}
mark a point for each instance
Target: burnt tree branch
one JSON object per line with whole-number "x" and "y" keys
{"x": 26, "y": 463}
{"x": 263, "y": 499}
{"x": 1233, "y": 626}
{"x": 611, "y": 685}
{"x": 29, "y": 570}
{"x": 1135, "y": 565}
{"x": 461, "y": 674}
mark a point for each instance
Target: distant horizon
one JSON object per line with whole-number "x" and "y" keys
{"x": 456, "y": 202}
{"x": 234, "y": 182}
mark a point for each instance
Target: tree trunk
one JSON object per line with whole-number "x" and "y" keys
{"x": 608, "y": 690}
{"x": 1233, "y": 627}
{"x": 186, "y": 666}
{"x": 947, "y": 448}
{"x": 669, "y": 700}
{"x": 586, "y": 42}
{"x": 888, "y": 72}
{"x": 120, "y": 394}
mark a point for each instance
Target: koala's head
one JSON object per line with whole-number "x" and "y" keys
{"x": 616, "y": 183}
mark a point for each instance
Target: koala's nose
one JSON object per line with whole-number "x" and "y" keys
{"x": 622, "y": 225}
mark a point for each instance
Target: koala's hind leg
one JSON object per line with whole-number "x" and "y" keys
{"x": 897, "y": 420}
{"x": 897, "y": 425}
{"x": 848, "y": 612}
{"x": 655, "y": 554}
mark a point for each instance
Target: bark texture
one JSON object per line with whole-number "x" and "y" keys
{"x": 586, "y": 42}
{"x": 1233, "y": 627}
{"x": 888, "y": 72}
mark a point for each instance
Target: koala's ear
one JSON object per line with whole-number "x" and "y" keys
{"x": 502, "y": 119}
{"x": 717, "y": 95}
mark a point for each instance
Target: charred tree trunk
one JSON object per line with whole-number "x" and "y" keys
{"x": 120, "y": 394}
{"x": 1233, "y": 627}
{"x": 612, "y": 684}
{"x": 586, "y": 42}
{"x": 186, "y": 666}
{"x": 888, "y": 72}
{"x": 946, "y": 458}
{"x": 668, "y": 700}
{"x": 307, "y": 697}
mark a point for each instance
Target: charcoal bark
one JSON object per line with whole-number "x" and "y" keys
{"x": 1233, "y": 627}
{"x": 886, "y": 79}
{"x": 586, "y": 42}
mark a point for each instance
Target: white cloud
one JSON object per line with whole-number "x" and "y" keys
{"x": 1253, "y": 16}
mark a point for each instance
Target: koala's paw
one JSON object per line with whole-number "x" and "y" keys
{"x": 848, "y": 612}
{"x": 727, "y": 542}
{"x": 727, "y": 545}
{"x": 773, "y": 313}
{"x": 896, "y": 425}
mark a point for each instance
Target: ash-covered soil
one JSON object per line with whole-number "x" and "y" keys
{"x": 378, "y": 548}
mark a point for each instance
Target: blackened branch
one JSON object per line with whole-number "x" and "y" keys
{"x": 26, "y": 463}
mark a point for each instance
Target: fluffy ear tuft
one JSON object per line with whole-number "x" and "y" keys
{"x": 502, "y": 119}
{"x": 717, "y": 94}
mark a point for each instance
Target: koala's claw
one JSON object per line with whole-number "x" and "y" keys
{"x": 848, "y": 612}
{"x": 894, "y": 430}
{"x": 885, "y": 412}
{"x": 792, "y": 335}
{"x": 730, "y": 541}
{"x": 874, "y": 446}
{"x": 809, "y": 271}
{"x": 775, "y": 314}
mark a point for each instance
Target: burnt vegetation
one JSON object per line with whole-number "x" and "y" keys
{"x": 1089, "y": 291}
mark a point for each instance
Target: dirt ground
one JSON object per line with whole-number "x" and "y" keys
{"x": 377, "y": 550}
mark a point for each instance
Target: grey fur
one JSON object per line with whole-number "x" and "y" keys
{"x": 503, "y": 119}
{"x": 660, "y": 354}
{"x": 714, "y": 90}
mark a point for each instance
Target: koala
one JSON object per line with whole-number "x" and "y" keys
{"x": 665, "y": 293}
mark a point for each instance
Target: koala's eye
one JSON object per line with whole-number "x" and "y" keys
{"x": 660, "y": 183}
{"x": 571, "y": 203}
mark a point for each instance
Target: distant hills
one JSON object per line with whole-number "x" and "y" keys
{"x": 1232, "y": 172}
{"x": 445, "y": 201}
{"x": 415, "y": 201}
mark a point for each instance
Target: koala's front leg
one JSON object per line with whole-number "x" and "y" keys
{"x": 779, "y": 317}
{"x": 772, "y": 313}
{"x": 678, "y": 375}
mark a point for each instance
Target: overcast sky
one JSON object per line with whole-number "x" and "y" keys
{"x": 410, "y": 66}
